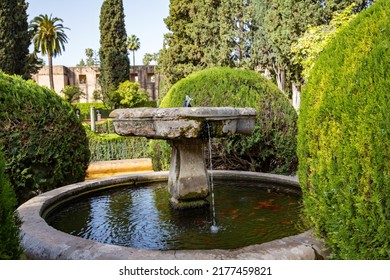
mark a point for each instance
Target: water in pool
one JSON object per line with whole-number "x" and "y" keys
{"x": 141, "y": 217}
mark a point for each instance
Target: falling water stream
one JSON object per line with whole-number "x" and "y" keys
{"x": 214, "y": 228}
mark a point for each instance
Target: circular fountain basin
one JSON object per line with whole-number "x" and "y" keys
{"x": 42, "y": 241}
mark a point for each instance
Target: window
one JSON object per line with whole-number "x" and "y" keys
{"x": 151, "y": 78}
{"x": 134, "y": 78}
{"x": 82, "y": 79}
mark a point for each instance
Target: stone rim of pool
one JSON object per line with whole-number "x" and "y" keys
{"x": 41, "y": 241}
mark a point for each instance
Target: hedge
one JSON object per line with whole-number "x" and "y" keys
{"x": 272, "y": 147}
{"x": 45, "y": 144}
{"x": 114, "y": 147}
{"x": 9, "y": 224}
{"x": 344, "y": 139}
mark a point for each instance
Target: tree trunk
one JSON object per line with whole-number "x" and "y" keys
{"x": 281, "y": 79}
{"x": 51, "y": 76}
{"x": 134, "y": 59}
{"x": 296, "y": 95}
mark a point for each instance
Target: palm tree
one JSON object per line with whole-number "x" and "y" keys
{"x": 133, "y": 44}
{"x": 49, "y": 38}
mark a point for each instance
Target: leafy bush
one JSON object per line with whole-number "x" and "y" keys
{"x": 115, "y": 147}
{"x": 45, "y": 144}
{"x": 9, "y": 223}
{"x": 132, "y": 95}
{"x": 344, "y": 139}
{"x": 72, "y": 93}
{"x": 272, "y": 146}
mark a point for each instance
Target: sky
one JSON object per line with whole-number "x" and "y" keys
{"x": 144, "y": 18}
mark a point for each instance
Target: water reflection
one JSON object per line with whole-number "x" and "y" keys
{"x": 141, "y": 217}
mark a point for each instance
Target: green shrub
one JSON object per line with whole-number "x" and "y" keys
{"x": 9, "y": 222}
{"x": 272, "y": 147}
{"x": 115, "y": 147}
{"x": 45, "y": 144}
{"x": 132, "y": 95}
{"x": 105, "y": 126}
{"x": 344, "y": 139}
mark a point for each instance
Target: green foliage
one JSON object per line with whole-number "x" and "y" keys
{"x": 9, "y": 223}
{"x": 114, "y": 62}
{"x": 306, "y": 50}
{"x": 115, "y": 147}
{"x": 149, "y": 57}
{"x": 104, "y": 127}
{"x": 160, "y": 153}
{"x": 72, "y": 93}
{"x": 45, "y": 144}
{"x": 85, "y": 109}
{"x": 272, "y": 146}
{"x": 91, "y": 58}
{"x": 133, "y": 45}
{"x": 344, "y": 139}
{"x": 131, "y": 94}
{"x": 14, "y": 38}
{"x": 280, "y": 24}
{"x": 332, "y": 6}
{"x": 205, "y": 33}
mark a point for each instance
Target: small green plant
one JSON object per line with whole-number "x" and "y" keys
{"x": 72, "y": 93}
{"x": 344, "y": 139}
{"x": 9, "y": 222}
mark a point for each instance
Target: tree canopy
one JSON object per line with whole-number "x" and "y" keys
{"x": 49, "y": 38}
{"x": 133, "y": 45}
{"x": 254, "y": 34}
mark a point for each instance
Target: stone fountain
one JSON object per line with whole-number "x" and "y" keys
{"x": 186, "y": 130}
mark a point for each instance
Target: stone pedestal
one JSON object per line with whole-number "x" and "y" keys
{"x": 185, "y": 128}
{"x": 188, "y": 182}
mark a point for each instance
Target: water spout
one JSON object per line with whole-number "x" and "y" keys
{"x": 214, "y": 228}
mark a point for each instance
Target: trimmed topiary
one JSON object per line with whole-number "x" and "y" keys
{"x": 272, "y": 147}
{"x": 45, "y": 144}
{"x": 9, "y": 222}
{"x": 344, "y": 139}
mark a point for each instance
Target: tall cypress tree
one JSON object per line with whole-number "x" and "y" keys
{"x": 14, "y": 38}
{"x": 114, "y": 62}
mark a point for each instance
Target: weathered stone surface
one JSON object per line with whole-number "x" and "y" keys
{"x": 185, "y": 122}
{"x": 188, "y": 179}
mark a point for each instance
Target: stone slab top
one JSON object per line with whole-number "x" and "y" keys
{"x": 184, "y": 122}
{"x": 208, "y": 113}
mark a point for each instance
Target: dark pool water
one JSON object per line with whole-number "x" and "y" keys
{"x": 141, "y": 217}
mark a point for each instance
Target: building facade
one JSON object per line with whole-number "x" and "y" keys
{"x": 87, "y": 79}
